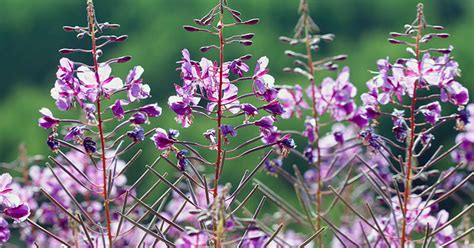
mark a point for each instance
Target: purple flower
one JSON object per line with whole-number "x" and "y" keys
{"x": 237, "y": 66}
{"x": 274, "y": 108}
{"x": 4, "y": 231}
{"x": 292, "y": 101}
{"x": 65, "y": 70}
{"x": 270, "y": 95}
{"x": 7, "y": 196}
{"x": 254, "y": 239}
{"x": 18, "y": 213}
{"x": 249, "y": 109}
{"x": 48, "y": 120}
{"x": 137, "y": 134}
{"x": 431, "y": 112}
{"x": 228, "y": 130}
{"x": 135, "y": 88}
{"x": 107, "y": 83}
{"x": 286, "y": 142}
{"x": 455, "y": 93}
{"x": 152, "y": 110}
{"x": 210, "y": 134}
{"x": 271, "y": 165}
{"x": 309, "y": 155}
{"x": 162, "y": 140}
{"x": 192, "y": 240}
{"x": 89, "y": 145}
{"x": 336, "y": 96}
{"x": 74, "y": 133}
{"x": 265, "y": 122}
{"x": 371, "y": 139}
{"x": 138, "y": 118}
{"x": 310, "y": 127}
{"x": 182, "y": 109}
{"x": 262, "y": 81}
{"x": 117, "y": 109}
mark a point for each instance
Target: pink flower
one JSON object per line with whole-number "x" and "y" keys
{"x": 292, "y": 101}
{"x": 104, "y": 83}
{"x": 48, "y": 120}
{"x": 262, "y": 80}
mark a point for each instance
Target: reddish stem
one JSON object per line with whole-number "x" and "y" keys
{"x": 219, "y": 119}
{"x": 406, "y": 193}
{"x": 100, "y": 121}
{"x": 316, "y": 134}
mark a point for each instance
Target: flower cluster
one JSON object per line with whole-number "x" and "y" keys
{"x": 382, "y": 184}
{"x": 12, "y": 206}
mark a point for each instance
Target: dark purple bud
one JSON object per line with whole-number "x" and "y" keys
{"x": 271, "y": 165}
{"x": 138, "y": 118}
{"x": 340, "y": 57}
{"x": 443, "y": 50}
{"x": 290, "y": 53}
{"x": 437, "y": 27}
{"x": 246, "y": 57}
{"x": 395, "y": 34}
{"x": 247, "y": 36}
{"x": 246, "y": 42}
{"x": 123, "y": 59}
{"x": 442, "y": 35}
{"x": 339, "y": 137}
{"x": 228, "y": 130}
{"x": 121, "y": 38}
{"x": 394, "y": 41}
{"x": 53, "y": 143}
{"x": 67, "y": 51}
{"x": 251, "y": 21}
{"x": 137, "y": 134}
{"x": 89, "y": 145}
{"x": 182, "y": 162}
{"x": 464, "y": 116}
{"x": 70, "y": 29}
{"x": 19, "y": 213}
{"x": 205, "y": 49}
{"x": 309, "y": 155}
{"x": 191, "y": 28}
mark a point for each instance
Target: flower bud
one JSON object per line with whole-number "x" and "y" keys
{"x": 251, "y": 21}
{"x": 89, "y": 145}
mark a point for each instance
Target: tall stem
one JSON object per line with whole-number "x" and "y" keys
{"x": 409, "y": 158}
{"x": 316, "y": 131}
{"x": 219, "y": 119}
{"x": 91, "y": 15}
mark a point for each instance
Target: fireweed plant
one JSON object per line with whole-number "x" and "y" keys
{"x": 328, "y": 155}
{"x": 211, "y": 89}
{"x": 82, "y": 198}
{"x": 411, "y": 93}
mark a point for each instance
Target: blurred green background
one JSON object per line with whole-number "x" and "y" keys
{"x": 31, "y": 35}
